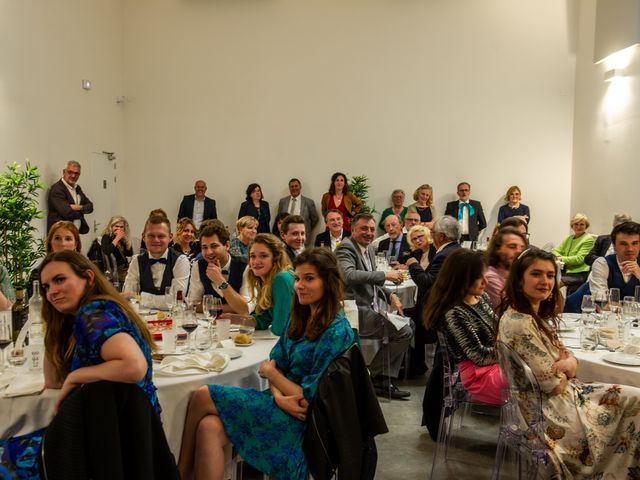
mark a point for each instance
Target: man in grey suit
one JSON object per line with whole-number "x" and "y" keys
{"x": 296, "y": 204}
{"x": 365, "y": 285}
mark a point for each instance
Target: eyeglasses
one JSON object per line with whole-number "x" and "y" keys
{"x": 72, "y": 173}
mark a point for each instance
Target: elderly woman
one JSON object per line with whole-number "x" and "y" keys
{"x": 246, "y": 228}
{"x": 423, "y": 197}
{"x": 572, "y": 252}
{"x": 340, "y": 198}
{"x": 513, "y": 207}
{"x": 397, "y": 207}
{"x": 186, "y": 242}
{"x": 257, "y": 207}
{"x": 421, "y": 243}
{"x": 116, "y": 242}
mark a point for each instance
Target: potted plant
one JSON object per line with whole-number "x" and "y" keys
{"x": 19, "y": 246}
{"x": 359, "y": 186}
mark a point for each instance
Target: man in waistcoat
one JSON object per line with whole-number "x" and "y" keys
{"x": 159, "y": 267}
{"x": 217, "y": 273}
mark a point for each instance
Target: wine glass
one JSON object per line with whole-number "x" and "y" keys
{"x": 189, "y": 324}
{"x": 614, "y": 300}
{"x": 601, "y": 298}
{"x": 5, "y": 339}
{"x": 588, "y": 307}
{"x": 207, "y": 305}
{"x": 216, "y": 308}
{"x": 170, "y": 298}
{"x": 135, "y": 296}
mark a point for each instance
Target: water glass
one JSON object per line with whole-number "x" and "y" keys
{"x": 5, "y": 338}
{"x": 614, "y": 300}
{"x": 203, "y": 338}
{"x": 222, "y": 328}
{"x": 135, "y": 297}
{"x": 170, "y": 298}
{"x": 169, "y": 341}
{"x": 588, "y": 338}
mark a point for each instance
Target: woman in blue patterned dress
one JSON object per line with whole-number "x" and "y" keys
{"x": 267, "y": 428}
{"x": 92, "y": 333}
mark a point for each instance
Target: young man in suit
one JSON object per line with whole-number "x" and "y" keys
{"x": 334, "y": 234}
{"x": 468, "y": 212}
{"x": 365, "y": 285}
{"x": 67, "y": 201}
{"x": 296, "y": 204}
{"x": 198, "y": 207}
{"x": 293, "y": 235}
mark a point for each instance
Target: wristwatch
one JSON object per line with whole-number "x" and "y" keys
{"x": 223, "y": 286}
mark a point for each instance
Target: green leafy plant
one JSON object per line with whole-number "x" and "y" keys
{"x": 19, "y": 246}
{"x": 359, "y": 186}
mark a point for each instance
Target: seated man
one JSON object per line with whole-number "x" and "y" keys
{"x": 217, "y": 273}
{"x": 334, "y": 234}
{"x": 603, "y": 246}
{"x": 410, "y": 219}
{"x": 395, "y": 245}
{"x": 365, "y": 285}
{"x": 618, "y": 270}
{"x": 504, "y": 247}
{"x": 159, "y": 267}
{"x": 293, "y": 235}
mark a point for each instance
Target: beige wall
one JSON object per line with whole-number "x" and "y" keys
{"x": 607, "y": 140}
{"x": 407, "y": 92}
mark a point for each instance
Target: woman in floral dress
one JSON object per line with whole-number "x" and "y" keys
{"x": 267, "y": 428}
{"x": 591, "y": 428}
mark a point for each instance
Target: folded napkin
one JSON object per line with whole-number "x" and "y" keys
{"x": 193, "y": 363}
{"x": 25, "y": 384}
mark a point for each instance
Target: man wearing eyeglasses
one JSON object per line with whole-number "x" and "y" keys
{"x": 67, "y": 201}
{"x": 468, "y": 212}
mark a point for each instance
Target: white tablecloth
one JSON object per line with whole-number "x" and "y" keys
{"x": 406, "y": 291}
{"x": 591, "y": 367}
{"x": 21, "y": 415}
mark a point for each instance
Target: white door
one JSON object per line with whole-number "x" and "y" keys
{"x": 99, "y": 176}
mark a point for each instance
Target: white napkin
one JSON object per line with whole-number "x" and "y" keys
{"x": 6, "y": 378}
{"x": 633, "y": 347}
{"x": 25, "y": 384}
{"x": 193, "y": 364}
{"x": 398, "y": 321}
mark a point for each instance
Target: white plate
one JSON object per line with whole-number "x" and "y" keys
{"x": 622, "y": 359}
{"x": 232, "y": 352}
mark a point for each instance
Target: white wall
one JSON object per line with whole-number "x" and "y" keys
{"x": 407, "y": 92}
{"x": 607, "y": 140}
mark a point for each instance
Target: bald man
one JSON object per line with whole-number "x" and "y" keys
{"x": 198, "y": 207}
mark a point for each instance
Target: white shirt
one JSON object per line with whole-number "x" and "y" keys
{"x": 335, "y": 241}
{"x": 196, "y": 288}
{"x": 464, "y": 223}
{"x": 180, "y": 278}
{"x": 599, "y": 276}
{"x": 198, "y": 212}
{"x": 246, "y": 293}
{"x": 76, "y": 199}
{"x": 295, "y": 205}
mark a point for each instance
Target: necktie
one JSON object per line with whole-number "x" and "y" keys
{"x": 394, "y": 248}
{"x": 292, "y": 206}
{"x": 157, "y": 260}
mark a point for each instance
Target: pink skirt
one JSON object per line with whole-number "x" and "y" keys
{"x": 484, "y": 383}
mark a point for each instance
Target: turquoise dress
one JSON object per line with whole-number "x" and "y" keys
{"x": 94, "y": 324}
{"x": 277, "y": 315}
{"x": 264, "y": 435}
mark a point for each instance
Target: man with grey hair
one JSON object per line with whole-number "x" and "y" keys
{"x": 603, "y": 246}
{"x": 67, "y": 201}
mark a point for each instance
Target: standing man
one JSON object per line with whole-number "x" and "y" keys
{"x": 365, "y": 285}
{"x": 217, "y": 273}
{"x": 293, "y": 235}
{"x": 159, "y": 267}
{"x": 468, "y": 212}
{"x": 505, "y": 246}
{"x": 197, "y": 207}
{"x": 67, "y": 201}
{"x": 395, "y": 245}
{"x": 296, "y": 204}
{"x": 334, "y": 234}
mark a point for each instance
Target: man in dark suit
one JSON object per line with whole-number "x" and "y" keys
{"x": 293, "y": 235}
{"x": 396, "y": 244}
{"x": 468, "y": 212}
{"x": 334, "y": 234}
{"x": 365, "y": 285}
{"x": 198, "y": 207}
{"x": 603, "y": 247}
{"x": 296, "y": 204}
{"x": 67, "y": 201}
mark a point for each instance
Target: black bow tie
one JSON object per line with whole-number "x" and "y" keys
{"x": 157, "y": 260}
{"x": 225, "y": 272}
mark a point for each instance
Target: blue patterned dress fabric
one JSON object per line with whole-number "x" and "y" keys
{"x": 94, "y": 324}
{"x": 265, "y": 436}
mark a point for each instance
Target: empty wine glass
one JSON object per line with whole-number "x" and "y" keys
{"x": 170, "y": 298}
{"x": 5, "y": 339}
{"x": 588, "y": 307}
{"x": 207, "y": 305}
{"x": 614, "y": 300}
{"x": 135, "y": 296}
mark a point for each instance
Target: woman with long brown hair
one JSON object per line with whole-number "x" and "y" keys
{"x": 267, "y": 428}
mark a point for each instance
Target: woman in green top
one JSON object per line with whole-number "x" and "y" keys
{"x": 572, "y": 252}
{"x": 271, "y": 282}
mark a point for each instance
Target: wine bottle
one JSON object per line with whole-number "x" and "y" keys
{"x": 19, "y": 313}
{"x": 36, "y": 333}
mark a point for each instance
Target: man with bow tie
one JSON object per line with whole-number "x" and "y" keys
{"x": 468, "y": 212}
{"x": 217, "y": 273}
{"x": 159, "y": 267}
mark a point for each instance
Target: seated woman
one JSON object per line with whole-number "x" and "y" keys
{"x": 63, "y": 235}
{"x": 513, "y": 207}
{"x": 572, "y": 252}
{"x": 267, "y": 428}
{"x": 257, "y": 207}
{"x": 458, "y": 306}
{"x": 592, "y": 427}
{"x": 270, "y": 281}
{"x": 423, "y": 197}
{"x": 340, "y": 198}
{"x": 397, "y": 207}
{"x": 186, "y": 242}
{"x": 116, "y": 241}
{"x": 246, "y": 228}
{"x": 422, "y": 248}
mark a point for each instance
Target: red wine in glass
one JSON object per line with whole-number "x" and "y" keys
{"x": 189, "y": 327}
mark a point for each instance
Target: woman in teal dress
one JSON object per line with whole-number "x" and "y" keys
{"x": 267, "y": 428}
{"x": 92, "y": 334}
{"x": 271, "y": 283}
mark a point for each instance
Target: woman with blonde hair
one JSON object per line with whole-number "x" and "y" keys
{"x": 186, "y": 242}
{"x": 572, "y": 252}
{"x": 270, "y": 281}
{"x": 423, "y": 197}
{"x": 116, "y": 241}
{"x": 421, "y": 243}
{"x": 513, "y": 207}
{"x": 246, "y": 230}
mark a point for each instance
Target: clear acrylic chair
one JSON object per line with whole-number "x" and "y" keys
{"x": 457, "y": 405}
{"x": 522, "y": 420}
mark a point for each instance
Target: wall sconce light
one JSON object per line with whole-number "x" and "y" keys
{"x": 86, "y": 84}
{"x": 613, "y": 74}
